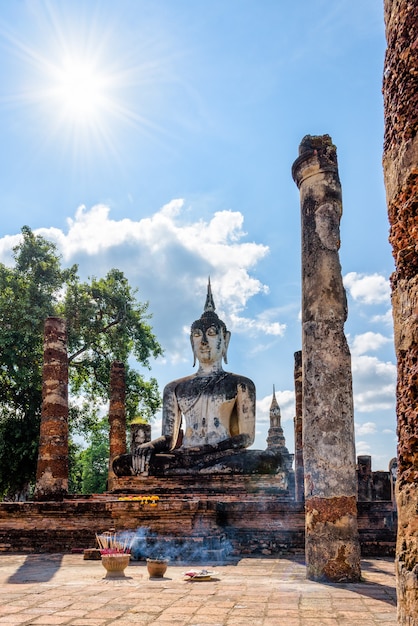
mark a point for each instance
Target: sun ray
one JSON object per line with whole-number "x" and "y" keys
{"x": 77, "y": 91}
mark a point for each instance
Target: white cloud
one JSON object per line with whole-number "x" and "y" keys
{"x": 90, "y": 232}
{"x": 368, "y": 428}
{"x": 374, "y": 384}
{"x": 384, "y": 318}
{"x": 173, "y": 208}
{"x": 169, "y": 257}
{"x": 362, "y": 447}
{"x": 256, "y": 325}
{"x": 286, "y": 402}
{"x": 367, "y": 289}
{"x": 367, "y": 342}
{"x": 7, "y": 243}
{"x": 217, "y": 243}
{"x": 379, "y": 399}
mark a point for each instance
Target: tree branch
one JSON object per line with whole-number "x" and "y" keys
{"x": 87, "y": 345}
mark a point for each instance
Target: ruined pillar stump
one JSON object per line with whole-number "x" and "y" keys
{"x": 52, "y": 468}
{"x": 400, "y": 166}
{"x": 140, "y": 433}
{"x": 332, "y": 543}
{"x": 117, "y": 416}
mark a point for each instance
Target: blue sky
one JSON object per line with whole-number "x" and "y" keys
{"x": 158, "y": 137}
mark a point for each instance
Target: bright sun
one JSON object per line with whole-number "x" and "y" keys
{"x": 80, "y": 89}
{"x": 79, "y": 80}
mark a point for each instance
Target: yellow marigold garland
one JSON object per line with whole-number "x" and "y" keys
{"x": 150, "y": 500}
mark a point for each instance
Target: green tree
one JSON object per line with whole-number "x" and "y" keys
{"x": 94, "y": 460}
{"x": 105, "y": 323}
{"x": 75, "y": 468}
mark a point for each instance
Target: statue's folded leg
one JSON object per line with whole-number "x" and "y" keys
{"x": 122, "y": 465}
{"x": 232, "y": 461}
{"x": 220, "y": 461}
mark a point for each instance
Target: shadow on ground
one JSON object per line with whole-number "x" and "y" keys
{"x": 370, "y": 587}
{"x": 37, "y": 568}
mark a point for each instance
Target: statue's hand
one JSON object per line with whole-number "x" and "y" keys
{"x": 141, "y": 458}
{"x": 143, "y": 454}
{"x": 145, "y": 446}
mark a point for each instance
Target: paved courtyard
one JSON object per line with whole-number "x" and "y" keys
{"x": 66, "y": 589}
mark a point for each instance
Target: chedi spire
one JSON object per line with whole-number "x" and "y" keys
{"x": 275, "y": 439}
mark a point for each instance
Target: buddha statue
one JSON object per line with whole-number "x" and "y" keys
{"x": 208, "y": 418}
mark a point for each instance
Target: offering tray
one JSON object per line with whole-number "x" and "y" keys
{"x": 198, "y": 575}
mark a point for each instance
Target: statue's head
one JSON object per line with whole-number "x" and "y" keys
{"x": 209, "y": 329}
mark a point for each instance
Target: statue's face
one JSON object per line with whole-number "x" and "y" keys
{"x": 208, "y": 343}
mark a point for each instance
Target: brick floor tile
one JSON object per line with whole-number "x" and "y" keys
{"x": 9, "y": 608}
{"x": 88, "y": 621}
{"x": 14, "y": 619}
{"x": 49, "y": 620}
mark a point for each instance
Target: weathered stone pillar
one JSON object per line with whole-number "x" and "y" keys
{"x": 52, "y": 468}
{"x": 400, "y": 166}
{"x": 298, "y": 428}
{"x": 117, "y": 416}
{"x": 332, "y": 543}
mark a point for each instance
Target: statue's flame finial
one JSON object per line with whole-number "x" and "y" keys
{"x": 209, "y": 304}
{"x": 210, "y": 318}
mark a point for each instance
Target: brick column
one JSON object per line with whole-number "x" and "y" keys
{"x": 117, "y": 416}
{"x": 52, "y": 468}
{"x": 400, "y": 166}
{"x": 332, "y": 543}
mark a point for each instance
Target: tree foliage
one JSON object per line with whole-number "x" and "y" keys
{"x": 105, "y": 323}
{"x": 93, "y": 462}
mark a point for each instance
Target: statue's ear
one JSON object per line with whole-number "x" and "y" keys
{"x": 226, "y": 341}
{"x": 194, "y": 355}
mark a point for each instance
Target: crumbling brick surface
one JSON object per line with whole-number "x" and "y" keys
{"x": 257, "y": 525}
{"x": 52, "y": 467}
{"x": 117, "y": 417}
{"x": 400, "y": 91}
{"x": 400, "y": 160}
{"x": 403, "y": 220}
{"x": 330, "y": 510}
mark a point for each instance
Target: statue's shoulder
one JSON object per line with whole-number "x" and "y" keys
{"x": 243, "y": 381}
{"x": 171, "y": 386}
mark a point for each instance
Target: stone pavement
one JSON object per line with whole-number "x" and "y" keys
{"x": 66, "y": 589}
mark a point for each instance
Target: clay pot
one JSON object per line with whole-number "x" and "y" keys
{"x": 156, "y": 567}
{"x": 115, "y": 564}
